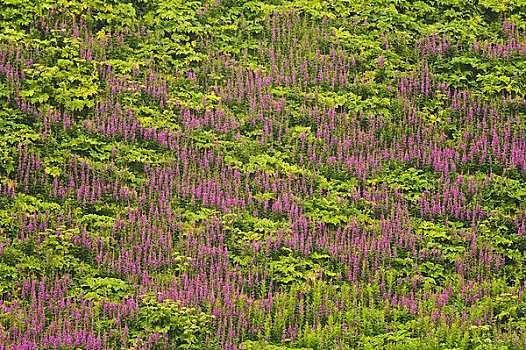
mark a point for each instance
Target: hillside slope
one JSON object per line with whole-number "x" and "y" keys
{"x": 262, "y": 175}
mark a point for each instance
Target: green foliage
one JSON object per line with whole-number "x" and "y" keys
{"x": 187, "y": 327}
{"x": 97, "y": 287}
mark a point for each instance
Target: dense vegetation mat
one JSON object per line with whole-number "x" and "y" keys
{"x": 262, "y": 175}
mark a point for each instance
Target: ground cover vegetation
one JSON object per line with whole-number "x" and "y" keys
{"x": 262, "y": 175}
